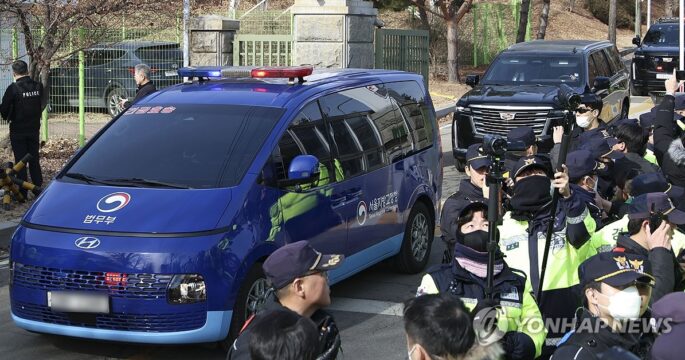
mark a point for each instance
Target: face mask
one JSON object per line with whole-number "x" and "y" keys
{"x": 531, "y": 193}
{"x": 625, "y": 304}
{"x": 595, "y": 182}
{"x": 477, "y": 240}
{"x": 411, "y": 351}
{"x": 583, "y": 121}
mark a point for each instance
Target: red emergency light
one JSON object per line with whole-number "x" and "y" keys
{"x": 290, "y": 73}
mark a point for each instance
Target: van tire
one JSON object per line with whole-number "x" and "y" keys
{"x": 417, "y": 242}
{"x": 252, "y": 282}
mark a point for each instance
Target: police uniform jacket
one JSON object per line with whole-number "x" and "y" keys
{"x": 511, "y": 290}
{"x": 22, "y": 105}
{"x": 587, "y": 344}
{"x": 523, "y": 242}
{"x": 665, "y": 267}
{"x": 450, "y": 210}
{"x": 329, "y": 340}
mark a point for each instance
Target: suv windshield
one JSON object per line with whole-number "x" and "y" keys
{"x": 535, "y": 69}
{"x": 176, "y": 146}
{"x": 662, "y": 35}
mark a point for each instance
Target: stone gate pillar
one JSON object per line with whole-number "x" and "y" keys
{"x": 334, "y": 33}
{"x": 211, "y": 40}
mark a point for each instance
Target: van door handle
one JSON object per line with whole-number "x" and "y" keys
{"x": 355, "y": 194}
{"x": 337, "y": 201}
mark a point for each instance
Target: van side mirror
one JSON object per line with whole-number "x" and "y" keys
{"x": 636, "y": 41}
{"x": 601, "y": 83}
{"x": 472, "y": 80}
{"x": 304, "y": 169}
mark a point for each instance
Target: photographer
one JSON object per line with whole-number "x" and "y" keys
{"x": 669, "y": 145}
{"x": 465, "y": 277}
{"x": 523, "y": 233}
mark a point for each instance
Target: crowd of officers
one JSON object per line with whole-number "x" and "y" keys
{"x": 613, "y": 286}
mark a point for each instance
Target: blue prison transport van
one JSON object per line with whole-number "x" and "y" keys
{"x": 155, "y": 231}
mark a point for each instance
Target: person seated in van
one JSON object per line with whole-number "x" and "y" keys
{"x": 471, "y": 189}
{"x": 298, "y": 275}
{"x": 465, "y": 277}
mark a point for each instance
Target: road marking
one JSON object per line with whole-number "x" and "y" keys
{"x": 374, "y": 307}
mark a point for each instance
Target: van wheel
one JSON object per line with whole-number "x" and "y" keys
{"x": 251, "y": 297}
{"x": 418, "y": 240}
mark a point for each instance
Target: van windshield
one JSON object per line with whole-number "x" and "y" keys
{"x": 662, "y": 35}
{"x": 182, "y": 145}
{"x": 535, "y": 69}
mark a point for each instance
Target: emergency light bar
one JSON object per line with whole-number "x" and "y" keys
{"x": 200, "y": 72}
{"x": 207, "y": 72}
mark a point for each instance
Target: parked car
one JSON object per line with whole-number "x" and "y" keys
{"x": 520, "y": 88}
{"x": 108, "y": 72}
{"x": 655, "y": 57}
{"x": 155, "y": 231}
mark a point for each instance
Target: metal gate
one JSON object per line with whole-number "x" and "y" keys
{"x": 406, "y": 50}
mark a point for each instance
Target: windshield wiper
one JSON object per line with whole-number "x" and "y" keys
{"x": 88, "y": 179}
{"x": 146, "y": 183}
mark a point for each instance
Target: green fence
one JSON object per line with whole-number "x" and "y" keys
{"x": 94, "y": 71}
{"x": 495, "y": 27}
{"x": 270, "y": 22}
{"x": 405, "y": 50}
{"x": 262, "y": 50}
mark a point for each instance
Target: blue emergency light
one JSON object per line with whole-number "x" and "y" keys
{"x": 200, "y": 72}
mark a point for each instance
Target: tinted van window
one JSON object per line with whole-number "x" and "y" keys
{"x": 199, "y": 146}
{"x": 411, "y": 102}
{"x": 614, "y": 60}
{"x": 358, "y": 118}
{"x": 599, "y": 66}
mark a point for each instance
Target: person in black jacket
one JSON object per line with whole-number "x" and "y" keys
{"x": 629, "y": 138}
{"x": 299, "y": 283}
{"x": 22, "y": 105}
{"x": 669, "y": 146}
{"x": 471, "y": 189}
{"x": 655, "y": 245}
{"x": 616, "y": 289}
{"x": 284, "y": 335}
{"x": 145, "y": 85}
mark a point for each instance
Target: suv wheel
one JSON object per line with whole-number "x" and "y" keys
{"x": 251, "y": 297}
{"x": 460, "y": 165}
{"x": 114, "y": 95}
{"x": 625, "y": 109}
{"x": 417, "y": 242}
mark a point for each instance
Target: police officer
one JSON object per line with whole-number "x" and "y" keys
{"x": 616, "y": 291}
{"x": 22, "y": 105}
{"x": 471, "y": 189}
{"x": 582, "y": 172}
{"x": 299, "y": 279}
{"x": 654, "y": 244}
{"x": 523, "y": 135}
{"x": 523, "y": 233}
{"x": 465, "y": 277}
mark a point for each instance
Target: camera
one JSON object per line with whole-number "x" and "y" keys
{"x": 496, "y": 145}
{"x": 568, "y": 98}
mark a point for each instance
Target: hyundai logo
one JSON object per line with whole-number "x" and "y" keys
{"x": 87, "y": 242}
{"x": 113, "y": 202}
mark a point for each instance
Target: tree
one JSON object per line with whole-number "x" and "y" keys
{"x": 452, "y": 11}
{"x": 544, "y": 15}
{"x": 612, "y": 21}
{"x": 523, "y": 21}
{"x": 669, "y": 8}
{"x": 49, "y": 24}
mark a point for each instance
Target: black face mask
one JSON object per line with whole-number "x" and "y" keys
{"x": 477, "y": 240}
{"x": 531, "y": 194}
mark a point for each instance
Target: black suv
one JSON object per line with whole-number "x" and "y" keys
{"x": 520, "y": 88}
{"x": 108, "y": 73}
{"x": 655, "y": 57}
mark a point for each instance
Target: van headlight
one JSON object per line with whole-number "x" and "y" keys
{"x": 186, "y": 289}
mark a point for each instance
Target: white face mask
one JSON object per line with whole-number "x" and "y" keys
{"x": 595, "y": 182}
{"x": 583, "y": 121}
{"x": 625, "y": 304}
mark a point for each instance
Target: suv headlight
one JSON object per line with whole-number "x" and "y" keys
{"x": 639, "y": 56}
{"x": 463, "y": 109}
{"x": 186, "y": 289}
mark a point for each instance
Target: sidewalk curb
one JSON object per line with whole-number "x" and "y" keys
{"x": 6, "y": 230}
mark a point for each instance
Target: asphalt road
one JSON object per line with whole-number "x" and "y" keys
{"x": 367, "y": 308}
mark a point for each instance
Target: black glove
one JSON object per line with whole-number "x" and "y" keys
{"x": 518, "y": 345}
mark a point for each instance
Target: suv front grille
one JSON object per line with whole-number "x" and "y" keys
{"x": 500, "y": 121}
{"x": 137, "y": 286}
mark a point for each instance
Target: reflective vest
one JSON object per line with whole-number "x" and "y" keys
{"x": 606, "y": 238}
